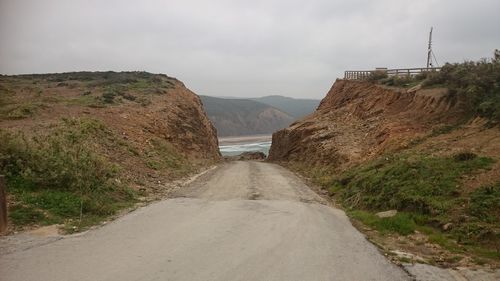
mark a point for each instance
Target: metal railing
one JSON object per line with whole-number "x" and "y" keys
{"x": 400, "y": 72}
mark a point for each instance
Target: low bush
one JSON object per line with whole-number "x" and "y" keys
{"x": 427, "y": 193}
{"x": 109, "y": 96}
{"x": 485, "y": 203}
{"x": 399, "y": 81}
{"x": 22, "y": 215}
{"x": 402, "y": 223}
{"x": 476, "y": 83}
{"x": 129, "y": 97}
{"x": 21, "y": 111}
{"x": 464, "y": 156}
{"x": 377, "y": 75}
{"x": 424, "y": 185}
{"x": 60, "y": 173}
{"x": 163, "y": 156}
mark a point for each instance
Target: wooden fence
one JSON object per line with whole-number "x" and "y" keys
{"x": 400, "y": 72}
{"x": 3, "y": 205}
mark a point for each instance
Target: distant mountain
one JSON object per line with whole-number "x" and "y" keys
{"x": 297, "y": 108}
{"x": 239, "y": 117}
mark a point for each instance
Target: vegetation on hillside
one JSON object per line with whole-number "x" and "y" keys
{"x": 105, "y": 78}
{"x": 477, "y": 84}
{"x": 79, "y": 171}
{"x": 97, "y": 89}
{"x": 62, "y": 177}
{"x": 427, "y": 192}
{"x": 411, "y": 183}
{"x": 59, "y": 177}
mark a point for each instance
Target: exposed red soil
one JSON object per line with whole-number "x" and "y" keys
{"x": 357, "y": 121}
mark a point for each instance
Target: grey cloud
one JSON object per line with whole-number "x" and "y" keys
{"x": 242, "y": 48}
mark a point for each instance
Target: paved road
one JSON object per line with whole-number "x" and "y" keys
{"x": 241, "y": 221}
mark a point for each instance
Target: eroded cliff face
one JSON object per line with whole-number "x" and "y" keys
{"x": 357, "y": 121}
{"x": 181, "y": 119}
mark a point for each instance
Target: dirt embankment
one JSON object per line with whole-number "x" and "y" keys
{"x": 157, "y": 128}
{"x": 418, "y": 151}
{"x": 357, "y": 121}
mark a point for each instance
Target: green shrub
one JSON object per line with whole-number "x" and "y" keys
{"x": 485, "y": 203}
{"x": 425, "y": 185}
{"x": 422, "y": 76}
{"x": 20, "y": 111}
{"x": 399, "y": 81}
{"x": 61, "y": 172}
{"x": 402, "y": 223}
{"x": 163, "y": 155}
{"x": 59, "y": 203}
{"x": 377, "y": 75}
{"x": 129, "y": 97}
{"x": 108, "y": 97}
{"x": 464, "y": 156}
{"x": 22, "y": 215}
{"x": 154, "y": 165}
{"x": 476, "y": 83}
{"x": 427, "y": 193}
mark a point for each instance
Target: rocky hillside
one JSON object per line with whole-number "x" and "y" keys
{"x": 240, "y": 117}
{"x": 357, "y": 121}
{"x": 97, "y": 139}
{"x": 427, "y": 149}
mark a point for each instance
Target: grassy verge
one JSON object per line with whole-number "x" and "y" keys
{"x": 428, "y": 194}
{"x": 60, "y": 178}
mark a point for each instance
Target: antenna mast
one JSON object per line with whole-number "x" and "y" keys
{"x": 429, "y": 51}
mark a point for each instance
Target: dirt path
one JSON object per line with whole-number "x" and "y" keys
{"x": 241, "y": 221}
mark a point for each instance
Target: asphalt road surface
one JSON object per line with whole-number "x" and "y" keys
{"x": 240, "y": 221}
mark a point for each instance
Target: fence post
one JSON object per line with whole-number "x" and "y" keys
{"x": 3, "y": 205}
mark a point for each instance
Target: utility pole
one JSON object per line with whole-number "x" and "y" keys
{"x": 429, "y": 51}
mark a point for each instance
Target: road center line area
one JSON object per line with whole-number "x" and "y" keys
{"x": 244, "y": 220}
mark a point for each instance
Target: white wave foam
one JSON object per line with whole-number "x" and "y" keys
{"x": 235, "y": 149}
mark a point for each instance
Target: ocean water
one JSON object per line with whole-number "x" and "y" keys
{"x": 238, "y": 148}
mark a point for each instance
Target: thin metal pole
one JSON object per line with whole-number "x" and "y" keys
{"x": 429, "y": 51}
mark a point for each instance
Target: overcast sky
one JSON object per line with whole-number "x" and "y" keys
{"x": 242, "y": 48}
